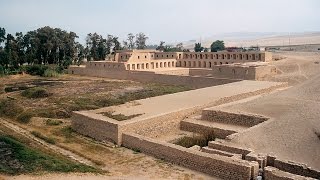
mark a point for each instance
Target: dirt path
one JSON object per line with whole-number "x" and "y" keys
{"x": 54, "y": 148}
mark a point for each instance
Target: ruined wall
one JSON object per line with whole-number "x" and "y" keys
{"x": 215, "y": 165}
{"x": 145, "y": 76}
{"x": 232, "y": 118}
{"x": 296, "y": 168}
{"x": 271, "y": 173}
{"x": 194, "y": 127}
{"x": 95, "y": 127}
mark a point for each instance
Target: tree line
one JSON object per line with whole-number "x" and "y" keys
{"x": 47, "y": 45}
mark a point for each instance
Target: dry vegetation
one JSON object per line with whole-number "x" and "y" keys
{"x": 47, "y": 117}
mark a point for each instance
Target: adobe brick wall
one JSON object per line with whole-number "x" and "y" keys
{"x": 147, "y": 76}
{"x": 296, "y": 168}
{"x": 215, "y": 165}
{"x": 193, "y": 127}
{"x": 229, "y": 148}
{"x": 271, "y": 173}
{"x": 232, "y": 118}
{"x": 95, "y": 127}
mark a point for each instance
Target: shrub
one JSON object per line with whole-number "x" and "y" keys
{"x": 9, "y": 108}
{"x": 36, "y": 69}
{"x": 201, "y": 140}
{"x": 119, "y": 117}
{"x": 35, "y": 92}
{"x": 40, "y": 136}
{"x": 50, "y": 73}
{"x": 25, "y": 117}
{"x": 52, "y": 122}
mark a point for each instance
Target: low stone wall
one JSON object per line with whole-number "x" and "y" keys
{"x": 95, "y": 127}
{"x": 296, "y": 168}
{"x": 271, "y": 173}
{"x": 215, "y": 165}
{"x": 222, "y": 153}
{"x": 198, "y": 128}
{"x": 145, "y": 76}
{"x": 229, "y": 148}
{"x": 232, "y": 118}
{"x": 154, "y": 127}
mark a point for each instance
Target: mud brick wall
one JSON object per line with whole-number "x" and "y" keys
{"x": 232, "y": 118}
{"x": 271, "y": 173}
{"x": 94, "y": 127}
{"x": 296, "y": 168}
{"x": 193, "y": 127}
{"x": 228, "y": 148}
{"x": 145, "y": 76}
{"x": 215, "y": 165}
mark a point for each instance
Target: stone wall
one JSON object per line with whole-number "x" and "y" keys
{"x": 296, "y": 168}
{"x": 145, "y": 76}
{"x": 229, "y": 148}
{"x": 232, "y": 118}
{"x": 94, "y": 127}
{"x": 271, "y": 173}
{"x": 215, "y": 165}
{"x": 198, "y": 128}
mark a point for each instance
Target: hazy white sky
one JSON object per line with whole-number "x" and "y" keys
{"x": 168, "y": 20}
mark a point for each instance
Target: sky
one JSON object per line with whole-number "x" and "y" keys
{"x": 167, "y": 20}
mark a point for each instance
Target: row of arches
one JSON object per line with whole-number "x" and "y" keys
{"x": 151, "y": 65}
{"x": 223, "y": 56}
{"x": 200, "y": 64}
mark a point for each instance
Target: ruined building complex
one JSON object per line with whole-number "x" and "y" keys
{"x": 137, "y": 64}
{"x": 223, "y": 78}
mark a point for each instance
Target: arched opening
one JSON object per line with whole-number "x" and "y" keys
{"x": 211, "y": 56}
{"x": 200, "y": 56}
{"x": 210, "y": 65}
{"x": 204, "y": 64}
{"x": 247, "y": 57}
{"x": 147, "y": 65}
{"x": 185, "y": 64}
{"x": 199, "y": 64}
{"x": 169, "y": 64}
{"x": 138, "y": 66}
{"x": 189, "y": 63}
{"x": 194, "y": 64}
{"x": 220, "y": 63}
{"x": 152, "y": 65}
{"x": 172, "y": 63}
{"x": 161, "y": 65}
{"x": 142, "y": 66}
{"x": 133, "y": 66}
{"x": 215, "y": 63}
{"x": 165, "y": 64}
{"x": 128, "y": 67}
{"x": 179, "y": 56}
{"x": 157, "y": 66}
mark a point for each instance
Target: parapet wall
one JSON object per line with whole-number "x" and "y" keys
{"x": 218, "y": 166}
{"x": 232, "y": 118}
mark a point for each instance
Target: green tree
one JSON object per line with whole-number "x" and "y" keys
{"x": 198, "y": 47}
{"x": 217, "y": 46}
{"x": 161, "y": 47}
{"x": 141, "y": 39}
{"x": 131, "y": 41}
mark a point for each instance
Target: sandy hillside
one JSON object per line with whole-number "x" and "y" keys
{"x": 291, "y": 133}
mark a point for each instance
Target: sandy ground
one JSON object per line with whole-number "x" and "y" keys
{"x": 291, "y": 132}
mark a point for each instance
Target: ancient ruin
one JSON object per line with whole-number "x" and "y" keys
{"x": 156, "y": 123}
